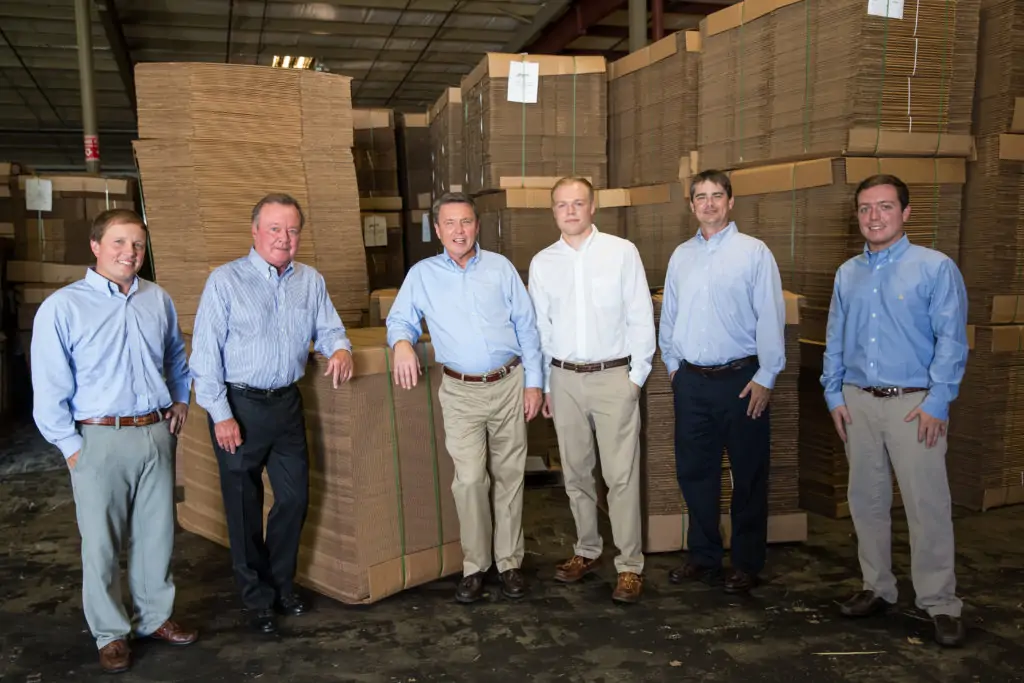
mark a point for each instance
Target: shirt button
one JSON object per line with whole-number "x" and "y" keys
{"x": 872, "y": 340}
{"x": 876, "y": 290}
{"x": 873, "y": 315}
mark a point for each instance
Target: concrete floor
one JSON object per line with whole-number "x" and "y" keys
{"x": 782, "y": 633}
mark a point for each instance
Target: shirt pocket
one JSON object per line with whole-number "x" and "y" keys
{"x": 300, "y": 325}
{"x": 490, "y": 301}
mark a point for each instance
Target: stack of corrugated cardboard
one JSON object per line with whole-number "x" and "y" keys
{"x": 446, "y": 154}
{"x": 381, "y": 201}
{"x": 657, "y": 220}
{"x": 986, "y": 429}
{"x": 382, "y": 518}
{"x": 788, "y": 79}
{"x": 534, "y": 116}
{"x": 664, "y": 509}
{"x": 213, "y": 144}
{"x": 8, "y": 179}
{"x": 416, "y": 178}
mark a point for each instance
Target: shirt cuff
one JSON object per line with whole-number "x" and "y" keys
{"x": 671, "y": 364}
{"x": 343, "y": 344}
{"x": 70, "y": 445}
{"x": 935, "y": 407}
{"x": 834, "y": 399}
{"x": 534, "y": 380}
{"x": 220, "y": 411}
{"x": 764, "y": 378}
{"x": 182, "y": 392}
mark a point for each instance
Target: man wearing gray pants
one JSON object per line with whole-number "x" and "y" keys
{"x": 111, "y": 391}
{"x": 896, "y": 349}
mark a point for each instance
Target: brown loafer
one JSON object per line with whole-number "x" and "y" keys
{"x": 115, "y": 657}
{"x": 174, "y": 634}
{"x": 513, "y": 584}
{"x": 471, "y": 588}
{"x": 575, "y": 568}
{"x": 628, "y": 588}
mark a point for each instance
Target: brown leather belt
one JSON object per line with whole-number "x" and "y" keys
{"x": 708, "y": 370}
{"x": 889, "y": 392}
{"x": 500, "y": 373}
{"x": 122, "y": 421}
{"x": 590, "y": 367}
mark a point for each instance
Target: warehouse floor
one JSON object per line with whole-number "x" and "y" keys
{"x": 787, "y": 631}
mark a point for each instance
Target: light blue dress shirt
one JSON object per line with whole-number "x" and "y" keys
{"x": 723, "y": 301}
{"x": 898, "y": 319}
{"x": 254, "y": 327}
{"x": 480, "y": 318}
{"x": 99, "y": 353}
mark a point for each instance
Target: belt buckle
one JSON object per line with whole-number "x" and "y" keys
{"x": 502, "y": 371}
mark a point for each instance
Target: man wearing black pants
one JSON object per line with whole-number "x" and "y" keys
{"x": 722, "y": 340}
{"x": 256, "y": 319}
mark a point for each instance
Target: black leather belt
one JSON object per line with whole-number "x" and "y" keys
{"x": 590, "y": 367}
{"x": 709, "y": 370}
{"x": 262, "y": 393}
{"x": 889, "y": 392}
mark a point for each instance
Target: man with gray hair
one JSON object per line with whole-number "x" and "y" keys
{"x": 484, "y": 333}
{"x": 256, "y": 319}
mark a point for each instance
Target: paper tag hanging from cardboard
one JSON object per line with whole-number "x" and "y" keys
{"x": 428, "y": 234}
{"x": 523, "y": 82}
{"x": 38, "y": 194}
{"x": 375, "y": 231}
{"x": 892, "y": 9}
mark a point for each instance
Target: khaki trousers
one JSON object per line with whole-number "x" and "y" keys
{"x": 485, "y": 434}
{"x": 605, "y": 404}
{"x": 876, "y": 437}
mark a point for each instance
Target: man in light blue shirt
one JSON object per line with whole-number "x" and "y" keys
{"x": 896, "y": 350}
{"x": 484, "y": 332}
{"x": 256, "y": 319}
{"x": 722, "y": 340}
{"x": 111, "y": 392}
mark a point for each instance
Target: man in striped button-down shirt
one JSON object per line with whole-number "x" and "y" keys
{"x": 253, "y": 328}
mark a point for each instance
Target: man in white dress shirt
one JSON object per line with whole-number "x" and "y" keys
{"x": 596, "y": 324}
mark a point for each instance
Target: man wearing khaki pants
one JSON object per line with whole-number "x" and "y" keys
{"x": 596, "y": 323}
{"x": 484, "y": 333}
{"x": 896, "y": 349}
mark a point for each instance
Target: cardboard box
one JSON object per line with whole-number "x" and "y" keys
{"x": 415, "y": 176}
{"x": 658, "y": 220}
{"x": 376, "y": 152}
{"x": 447, "y": 160}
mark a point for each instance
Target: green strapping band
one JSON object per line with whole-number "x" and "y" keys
{"x": 935, "y": 226}
{"x": 523, "y": 136}
{"x": 881, "y": 84}
{"x": 807, "y": 74}
{"x": 740, "y": 80}
{"x": 397, "y": 463}
{"x": 433, "y": 462}
{"x": 792, "y": 225}
{"x": 574, "y": 116}
{"x": 942, "y": 78}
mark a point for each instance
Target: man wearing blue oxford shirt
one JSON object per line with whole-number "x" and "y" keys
{"x": 484, "y": 332}
{"x": 896, "y": 350}
{"x": 111, "y": 392}
{"x": 722, "y": 339}
{"x": 256, "y": 319}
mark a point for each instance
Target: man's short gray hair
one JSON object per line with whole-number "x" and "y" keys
{"x": 452, "y": 198}
{"x": 278, "y": 198}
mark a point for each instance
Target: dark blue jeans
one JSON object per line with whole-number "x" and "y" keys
{"x": 711, "y": 416}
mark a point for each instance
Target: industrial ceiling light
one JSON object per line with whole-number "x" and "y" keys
{"x": 289, "y": 62}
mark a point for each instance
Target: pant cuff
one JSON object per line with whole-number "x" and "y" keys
{"x": 505, "y": 565}
{"x": 103, "y": 641}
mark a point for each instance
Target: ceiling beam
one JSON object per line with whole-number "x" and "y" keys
{"x": 114, "y": 30}
{"x": 573, "y": 24}
{"x": 527, "y": 33}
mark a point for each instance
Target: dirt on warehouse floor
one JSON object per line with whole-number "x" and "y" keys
{"x": 787, "y": 631}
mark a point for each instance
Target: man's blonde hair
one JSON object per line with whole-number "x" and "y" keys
{"x": 572, "y": 180}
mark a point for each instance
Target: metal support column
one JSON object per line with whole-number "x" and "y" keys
{"x": 637, "y": 24}
{"x": 90, "y": 129}
{"x": 657, "y": 20}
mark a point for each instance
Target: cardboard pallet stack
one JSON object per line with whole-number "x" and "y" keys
{"x": 381, "y": 517}
{"x": 416, "y": 182}
{"x": 664, "y": 509}
{"x": 211, "y": 146}
{"x": 380, "y": 197}
{"x": 447, "y": 158}
{"x": 788, "y": 79}
{"x": 986, "y": 428}
{"x": 515, "y": 134}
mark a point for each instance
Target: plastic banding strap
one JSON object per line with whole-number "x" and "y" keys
{"x": 397, "y": 463}
{"x": 881, "y": 84}
{"x": 807, "y": 75}
{"x": 433, "y": 461}
{"x": 942, "y": 77}
{"x": 792, "y": 226}
{"x": 574, "y": 72}
{"x": 935, "y": 226}
{"x": 523, "y": 136}
{"x": 743, "y": 6}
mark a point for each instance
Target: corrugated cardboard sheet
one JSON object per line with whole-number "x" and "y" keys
{"x": 417, "y": 226}
{"x": 376, "y": 152}
{"x": 385, "y": 248}
{"x": 415, "y": 177}
{"x": 382, "y": 518}
{"x": 448, "y": 162}
{"x": 564, "y": 133}
{"x": 205, "y": 161}
{"x": 652, "y": 114}
{"x": 658, "y": 220}
{"x": 789, "y": 79}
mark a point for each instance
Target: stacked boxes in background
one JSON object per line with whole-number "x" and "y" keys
{"x": 447, "y": 160}
{"x": 416, "y": 181}
{"x": 381, "y": 201}
{"x": 561, "y": 131}
{"x": 657, "y": 220}
{"x": 986, "y": 427}
{"x": 211, "y": 146}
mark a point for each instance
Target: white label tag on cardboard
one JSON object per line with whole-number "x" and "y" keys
{"x": 523, "y": 81}
{"x": 373, "y": 228}
{"x": 38, "y": 194}
{"x": 886, "y": 8}
{"x": 428, "y": 234}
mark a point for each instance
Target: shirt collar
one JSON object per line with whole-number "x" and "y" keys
{"x": 586, "y": 244}
{"x": 891, "y": 254}
{"x": 104, "y": 285}
{"x": 475, "y": 258}
{"x": 265, "y": 268}
{"x": 719, "y": 236}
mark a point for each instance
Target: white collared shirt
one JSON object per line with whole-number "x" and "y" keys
{"x": 593, "y": 304}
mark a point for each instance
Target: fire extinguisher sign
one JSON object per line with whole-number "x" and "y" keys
{"x": 92, "y": 148}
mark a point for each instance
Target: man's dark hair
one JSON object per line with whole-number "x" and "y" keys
{"x": 278, "y": 198}
{"x": 113, "y": 217}
{"x": 879, "y": 179}
{"x": 716, "y": 177}
{"x": 452, "y": 198}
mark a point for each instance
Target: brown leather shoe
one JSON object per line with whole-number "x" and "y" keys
{"x": 692, "y": 571}
{"x": 513, "y": 584}
{"x": 628, "y": 588}
{"x": 575, "y": 568}
{"x": 115, "y": 657}
{"x": 740, "y": 581}
{"x": 471, "y": 588}
{"x": 174, "y": 634}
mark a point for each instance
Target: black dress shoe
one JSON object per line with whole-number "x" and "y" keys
{"x": 471, "y": 588}
{"x": 863, "y": 604}
{"x": 264, "y": 621}
{"x": 949, "y": 631}
{"x": 291, "y": 605}
{"x": 513, "y": 584}
{"x": 740, "y": 581}
{"x": 691, "y": 571}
